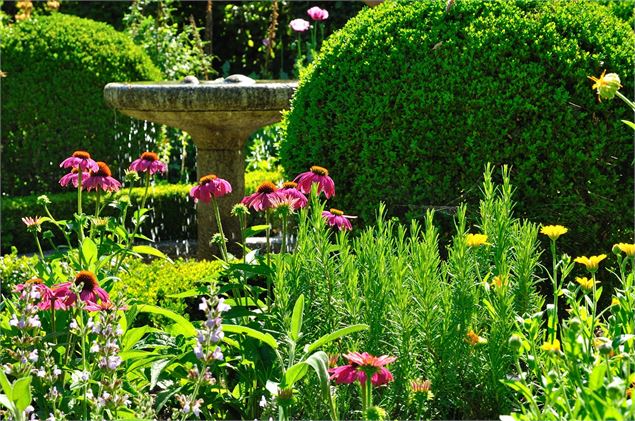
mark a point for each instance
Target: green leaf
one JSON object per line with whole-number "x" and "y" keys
{"x": 150, "y": 251}
{"x": 294, "y": 374}
{"x": 252, "y": 333}
{"x": 251, "y": 231}
{"x": 195, "y": 292}
{"x": 133, "y": 336}
{"x": 22, "y": 393}
{"x": 629, "y": 124}
{"x": 596, "y": 379}
{"x": 7, "y": 403}
{"x": 89, "y": 251}
{"x": 156, "y": 370}
{"x": 335, "y": 335}
{"x": 6, "y": 386}
{"x": 188, "y": 329}
{"x": 296, "y": 318}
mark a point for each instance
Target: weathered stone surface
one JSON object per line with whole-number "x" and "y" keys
{"x": 220, "y": 116}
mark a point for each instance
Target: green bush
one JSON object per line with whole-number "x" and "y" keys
{"x": 407, "y": 103}
{"x": 151, "y": 283}
{"x": 15, "y": 270}
{"x": 173, "y": 217}
{"x": 52, "y": 98}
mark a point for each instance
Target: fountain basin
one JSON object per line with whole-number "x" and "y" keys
{"x": 220, "y": 116}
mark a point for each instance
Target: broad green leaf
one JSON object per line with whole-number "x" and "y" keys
{"x": 156, "y": 369}
{"x": 629, "y": 124}
{"x": 150, "y": 251}
{"x": 188, "y": 330}
{"x": 294, "y": 374}
{"x": 195, "y": 292}
{"x": 7, "y": 403}
{"x": 133, "y": 336}
{"x": 335, "y": 335}
{"x": 596, "y": 379}
{"x": 6, "y": 386}
{"x": 134, "y": 354}
{"x": 251, "y": 231}
{"x": 520, "y": 387}
{"x": 22, "y": 393}
{"x": 296, "y": 318}
{"x": 320, "y": 362}
{"x": 89, "y": 252}
{"x": 252, "y": 333}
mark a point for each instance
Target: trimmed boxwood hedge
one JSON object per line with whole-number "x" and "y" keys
{"x": 52, "y": 97}
{"x": 407, "y": 103}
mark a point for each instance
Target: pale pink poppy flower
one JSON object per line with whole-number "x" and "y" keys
{"x": 209, "y": 186}
{"x": 363, "y": 364}
{"x": 264, "y": 198}
{"x": 318, "y": 175}
{"x": 290, "y": 190}
{"x": 148, "y": 162}
{"x": 300, "y": 25}
{"x": 101, "y": 179}
{"x": 318, "y": 14}
{"x": 72, "y": 177}
{"x": 91, "y": 292}
{"x": 336, "y": 218}
{"x": 81, "y": 160}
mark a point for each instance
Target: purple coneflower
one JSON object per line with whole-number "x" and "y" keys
{"x": 264, "y": 198}
{"x": 209, "y": 186}
{"x": 336, "y": 218}
{"x": 101, "y": 179}
{"x": 148, "y": 162}
{"x": 363, "y": 364}
{"x": 32, "y": 223}
{"x": 91, "y": 292}
{"x": 72, "y": 177}
{"x": 46, "y": 294}
{"x": 300, "y": 25}
{"x": 318, "y": 14}
{"x": 81, "y": 160}
{"x": 318, "y": 175}
{"x": 290, "y": 190}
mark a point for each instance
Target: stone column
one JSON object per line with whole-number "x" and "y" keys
{"x": 220, "y": 152}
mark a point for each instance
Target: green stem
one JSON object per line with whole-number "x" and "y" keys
{"x": 283, "y": 246}
{"x": 626, "y": 100}
{"x": 223, "y": 244}
{"x": 593, "y": 312}
{"x": 79, "y": 192}
{"x": 268, "y": 232}
{"x": 84, "y": 403}
{"x": 39, "y": 246}
{"x": 554, "y": 279}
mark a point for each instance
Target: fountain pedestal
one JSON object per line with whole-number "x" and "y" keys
{"x": 220, "y": 117}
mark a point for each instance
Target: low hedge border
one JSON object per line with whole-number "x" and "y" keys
{"x": 174, "y": 216}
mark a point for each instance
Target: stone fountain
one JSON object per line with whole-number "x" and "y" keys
{"x": 220, "y": 116}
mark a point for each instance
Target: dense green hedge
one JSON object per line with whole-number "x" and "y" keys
{"x": 174, "y": 215}
{"x": 52, "y": 97}
{"x": 407, "y": 103}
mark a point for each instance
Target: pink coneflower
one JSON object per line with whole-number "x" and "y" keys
{"x": 101, "y": 179}
{"x": 336, "y": 218}
{"x": 72, "y": 178}
{"x": 209, "y": 186}
{"x": 318, "y": 14}
{"x": 91, "y": 292}
{"x": 317, "y": 175}
{"x": 32, "y": 223}
{"x": 148, "y": 162}
{"x": 46, "y": 294}
{"x": 81, "y": 160}
{"x": 264, "y": 198}
{"x": 363, "y": 364}
{"x": 290, "y": 190}
{"x": 300, "y": 25}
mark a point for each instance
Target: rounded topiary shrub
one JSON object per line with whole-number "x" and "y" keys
{"x": 407, "y": 103}
{"x": 52, "y": 97}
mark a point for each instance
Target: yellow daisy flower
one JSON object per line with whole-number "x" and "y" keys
{"x": 586, "y": 283}
{"x": 553, "y": 231}
{"x": 475, "y": 240}
{"x": 592, "y": 263}
{"x": 551, "y": 346}
{"x": 626, "y": 248}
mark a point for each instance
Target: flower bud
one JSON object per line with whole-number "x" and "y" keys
{"x": 615, "y": 389}
{"x": 515, "y": 342}
{"x": 43, "y": 200}
{"x": 605, "y": 348}
{"x": 239, "y": 210}
{"x": 606, "y": 85}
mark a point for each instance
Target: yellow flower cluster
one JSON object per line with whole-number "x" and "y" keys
{"x": 475, "y": 240}
{"x": 553, "y": 231}
{"x": 551, "y": 346}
